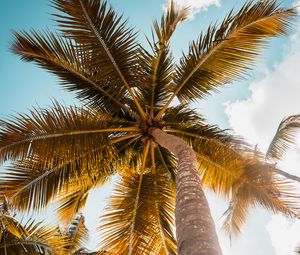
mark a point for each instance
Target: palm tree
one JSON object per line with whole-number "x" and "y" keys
{"x": 76, "y": 236}
{"x": 129, "y": 126}
{"x": 33, "y": 238}
{"x": 284, "y": 137}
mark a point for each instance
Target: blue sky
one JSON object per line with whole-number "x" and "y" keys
{"x": 24, "y": 85}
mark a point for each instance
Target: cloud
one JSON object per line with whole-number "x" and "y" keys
{"x": 195, "y": 5}
{"x": 272, "y": 98}
{"x": 284, "y": 235}
{"x": 297, "y": 5}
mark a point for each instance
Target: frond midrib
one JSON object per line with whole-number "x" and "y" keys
{"x": 213, "y": 50}
{"x": 112, "y": 60}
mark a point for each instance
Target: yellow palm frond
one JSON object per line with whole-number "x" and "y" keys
{"x": 73, "y": 196}
{"x": 260, "y": 186}
{"x": 112, "y": 47}
{"x": 225, "y": 52}
{"x": 32, "y": 184}
{"x": 57, "y": 132}
{"x": 70, "y": 63}
{"x": 153, "y": 230}
{"x": 77, "y": 234}
{"x": 32, "y": 238}
{"x": 158, "y": 66}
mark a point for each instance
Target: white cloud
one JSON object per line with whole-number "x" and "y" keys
{"x": 284, "y": 235}
{"x": 297, "y": 5}
{"x": 273, "y": 97}
{"x": 195, "y": 5}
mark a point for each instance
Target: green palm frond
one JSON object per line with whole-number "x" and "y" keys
{"x": 150, "y": 226}
{"x": 225, "y": 52}
{"x": 112, "y": 47}
{"x": 259, "y": 186}
{"x": 284, "y": 137}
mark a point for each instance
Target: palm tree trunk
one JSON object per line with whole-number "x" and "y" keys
{"x": 195, "y": 228}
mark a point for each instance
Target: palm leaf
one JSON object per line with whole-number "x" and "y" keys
{"x": 33, "y": 184}
{"x": 159, "y": 65}
{"x": 284, "y": 137}
{"x": 60, "y": 131}
{"x": 112, "y": 46}
{"x": 69, "y": 63}
{"x": 73, "y": 197}
{"x": 258, "y": 186}
{"x": 45, "y": 238}
{"x": 225, "y": 52}
{"x": 118, "y": 219}
{"x": 31, "y": 238}
{"x": 77, "y": 234}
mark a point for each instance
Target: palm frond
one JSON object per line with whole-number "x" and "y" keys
{"x": 225, "y": 52}
{"x": 32, "y": 238}
{"x": 60, "y": 131}
{"x": 33, "y": 184}
{"x": 284, "y": 137}
{"x": 116, "y": 223}
{"x": 69, "y": 63}
{"x": 219, "y": 154}
{"x": 45, "y": 238}
{"x": 258, "y": 186}
{"x": 112, "y": 47}
{"x": 158, "y": 66}
{"x": 77, "y": 234}
{"x": 73, "y": 196}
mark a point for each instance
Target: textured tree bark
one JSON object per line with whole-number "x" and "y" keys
{"x": 195, "y": 228}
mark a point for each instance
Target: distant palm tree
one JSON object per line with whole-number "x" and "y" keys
{"x": 284, "y": 137}
{"x": 129, "y": 126}
{"x": 31, "y": 238}
{"x": 34, "y": 238}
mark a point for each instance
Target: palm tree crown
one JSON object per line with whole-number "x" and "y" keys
{"x": 64, "y": 152}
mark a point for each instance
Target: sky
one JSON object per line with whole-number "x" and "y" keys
{"x": 251, "y": 108}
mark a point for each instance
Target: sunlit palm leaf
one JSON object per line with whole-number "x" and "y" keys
{"x": 70, "y": 64}
{"x": 285, "y": 136}
{"x": 259, "y": 186}
{"x": 33, "y": 184}
{"x": 118, "y": 219}
{"x": 73, "y": 197}
{"x": 218, "y": 153}
{"x": 47, "y": 238}
{"x": 112, "y": 47}
{"x": 159, "y": 65}
{"x": 225, "y": 52}
{"x": 60, "y": 131}
{"x": 32, "y": 238}
{"x": 77, "y": 234}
